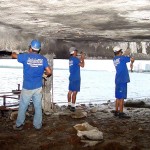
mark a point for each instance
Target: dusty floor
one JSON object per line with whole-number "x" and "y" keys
{"x": 58, "y": 132}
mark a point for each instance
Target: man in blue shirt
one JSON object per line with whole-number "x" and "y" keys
{"x": 74, "y": 79}
{"x": 121, "y": 80}
{"x": 34, "y": 66}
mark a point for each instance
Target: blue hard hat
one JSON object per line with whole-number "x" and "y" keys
{"x": 36, "y": 45}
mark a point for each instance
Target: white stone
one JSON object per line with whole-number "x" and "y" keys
{"x": 88, "y": 131}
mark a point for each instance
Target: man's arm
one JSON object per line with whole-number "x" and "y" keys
{"x": 131, "y": 64}
{"x": 127, "y": 52}
{"x": 82, "y": 60}
{"x": 132, "y": 60}
{"x": 48, "y": 71}
{"x": 14, "y": 55}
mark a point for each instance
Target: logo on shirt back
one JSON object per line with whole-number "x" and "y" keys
{"x": 117, "y": 61}
{"x": 34, "y": 62}
{"x": 70, "y": 63}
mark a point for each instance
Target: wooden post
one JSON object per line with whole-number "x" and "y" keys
{"x": 47, "y": 100}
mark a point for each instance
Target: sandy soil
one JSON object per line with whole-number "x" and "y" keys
{"x": 58, "y": 132}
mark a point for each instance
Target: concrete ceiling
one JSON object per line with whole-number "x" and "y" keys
{"x": 123, "y": 20}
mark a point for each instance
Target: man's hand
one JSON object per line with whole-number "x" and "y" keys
{"x": 14, "y": 55}
{"x": 127, "y": 52}
{"x": 82, "y": 59}
{"x": 131, "y": 64}
{"x": 46, "y": 76}
{"x": 82, "y": 55}
{"x": 47, "y": 72}
{"x": 132, "y": 60}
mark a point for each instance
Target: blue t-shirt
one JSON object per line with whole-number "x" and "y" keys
{"x": 74, "y": 68}
{"x": 122, "y": 74}
{"x": 33, "y": 69}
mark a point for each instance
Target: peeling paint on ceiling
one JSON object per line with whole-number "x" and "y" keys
{"x": 124, "y": 20}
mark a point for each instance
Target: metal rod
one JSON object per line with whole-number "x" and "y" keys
{"x": 10, "y": 95}
{"x": 18, "y": 87}
{"x": 4, "y": 100}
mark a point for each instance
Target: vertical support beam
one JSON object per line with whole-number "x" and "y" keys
{"x": 47, "y": 101}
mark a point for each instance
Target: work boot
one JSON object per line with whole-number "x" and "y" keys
{"x": 116, "y": 113}
{"x": 17, "y": 128}
{"x": 73, "y": 109}
{"x": 123, "y": 116}
{"x": 68, "y": 107}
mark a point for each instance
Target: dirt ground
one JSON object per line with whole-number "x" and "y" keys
{"x": 58, "y": 132}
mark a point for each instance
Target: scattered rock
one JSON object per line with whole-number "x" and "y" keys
{"x": 13, "y": 115}
{"x": 50, "y": 112}
{"x": 79, "y": 114}
{"x": 140, "y": 129}
{"x": 93, "y": 109}
{"x": 88, "y": 134}
{"x": 136, "y": 104}
{"x": 89, "y": 143}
